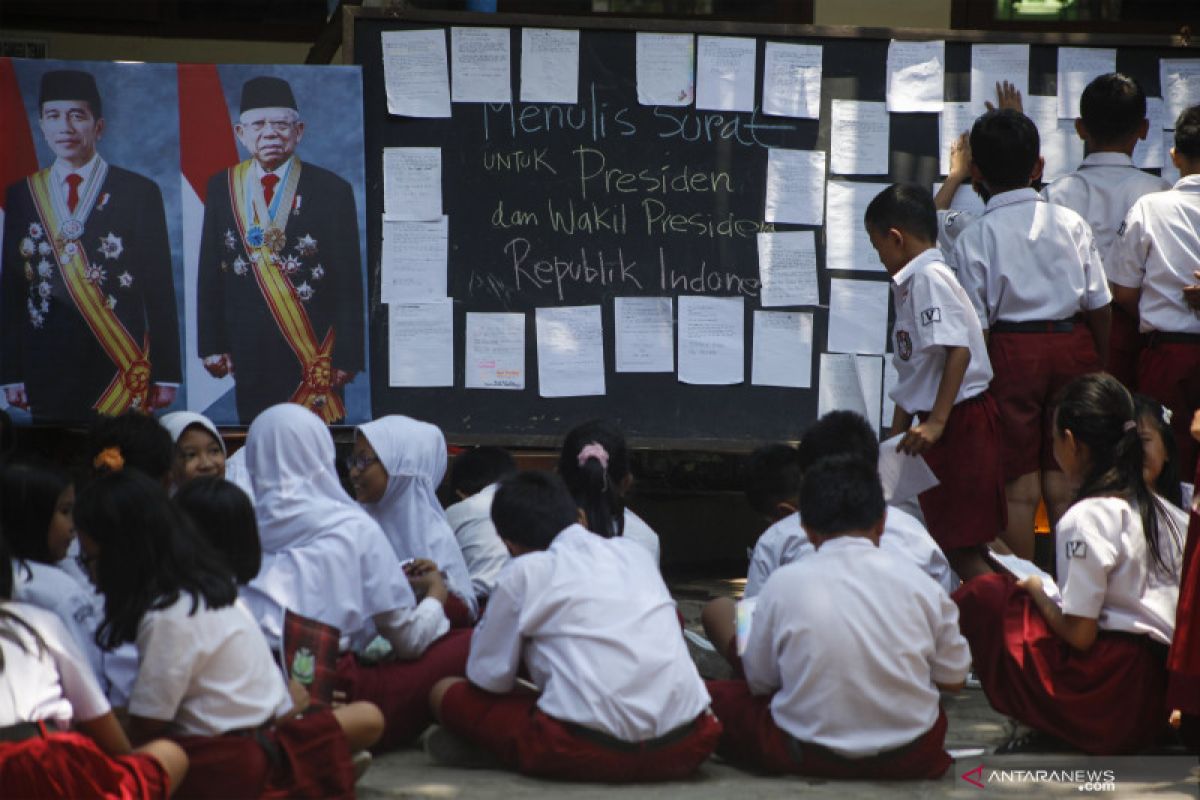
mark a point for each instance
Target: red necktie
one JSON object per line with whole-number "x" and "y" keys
{"x": 268, "y": 182}
{"x": 73, "y": 182}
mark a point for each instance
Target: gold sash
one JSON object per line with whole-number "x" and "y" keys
{"x": 131, "y": 385}
{"x": 316, "y": 359}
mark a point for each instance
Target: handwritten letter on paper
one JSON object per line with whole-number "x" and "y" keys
{"x": 645, "y": 334}
{"x": 795, "y": 183}
{"x": 570, "y": 349}
{"x": 415, "y": 73}
{"x": 711, "y": 340}
{"x": 412, "y": 183}
{"x": 413, "y": 266}
{"x": 916, "y": 76}
{"x": 421, "y": 343}
{"x": 725, "y": 73}
{"x": 787, "y": 268}
{"x": 665, "y": 73}
{"x": 860, "y": 130}
{"x": 858, "y": 312}
{"x": 495, "y": 351}
{"x": 792, "y": 80}
{"x": 479, "y": 65}
{"x": 783, "y": 349}
{"x": 549, "y": 65}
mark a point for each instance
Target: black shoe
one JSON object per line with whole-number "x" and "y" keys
{"x": 1024, "y": 739}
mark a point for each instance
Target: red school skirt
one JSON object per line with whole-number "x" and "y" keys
{"x": 401, "y": 688}
{"x": 301, "y": 757}
{"x": 968, "y": 506}
{"x": 458, "y": 612}
{"x": 72, "y": 765}
{"x": 753, "y": 739}
{"x": 1183, "y": 687}
{"x": 534, "y": 743}
{"x": 1105, "y": 701}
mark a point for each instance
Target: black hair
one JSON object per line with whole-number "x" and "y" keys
{"x": 1004, "y": 146}
{"x": 150, "y": 554}
{"x": 907, "y": 208}
{"x": 1113, "y": 108}
{"x": 224, "y": 516}
{"x": 597, "y": 489}
{"x": 29, "y": 491}
{"x": 480, "y": 467}
{"x": 772, "y": 477}
{"x": 144, "y": 444}
{"x": 839, "y": 494}
{"x": 531, "y": 508}
{"x": 1187, "y": 133}
{"x": 838, "y": 433}
{"x": 8, "y": 620}
{"x": 1168, "y": 483}
{"x": 1099, "y": 413}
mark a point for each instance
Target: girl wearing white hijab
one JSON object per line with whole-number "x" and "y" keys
{"x": 199, "y": 449}
{"x": 397, "y": 465}
{"x": 324, "y": 558}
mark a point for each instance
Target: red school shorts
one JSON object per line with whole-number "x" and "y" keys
{"x": 533, "y": 743}
{"x": 1105, "y": 701}
{"x": 752, "y": 738}
{"x": 1170, "y": 373}
{"x": 1029, "y": 369}
{"x": 72, "y": 765}
{"x": 968, "y": 506}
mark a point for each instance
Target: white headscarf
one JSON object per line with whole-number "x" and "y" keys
{"x": 179, "y": 421}
{"x": 413, "y": 454}
{"x": 323, "y": 557}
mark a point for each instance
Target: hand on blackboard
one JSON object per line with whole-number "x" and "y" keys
{"x": 1008, "y": 96}
{"x": 922, "y": 437}
{"x": 219, "y": 365}
{"x": 960, "y": 159}
{"x": 341, "y": 377}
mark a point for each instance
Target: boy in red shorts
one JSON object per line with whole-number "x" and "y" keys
{"x": 1035, "y": 278}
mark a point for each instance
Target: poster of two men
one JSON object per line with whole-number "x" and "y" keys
{"x": 181, "y": 236}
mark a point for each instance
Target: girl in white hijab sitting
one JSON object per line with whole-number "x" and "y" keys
{"x": 324, "y": 558}
{"x": 395, "y": 470}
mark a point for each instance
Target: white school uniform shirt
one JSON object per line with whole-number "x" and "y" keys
{"x": 951, "y": 223}
{"x": 482, "y": 549}
{"x": 850, "y": 641}
{"x": 1104, "y": 569}
{"x": 1102, "y": 191}
{"x": 206, "y": 671}
{"x": 413, "y": 453}
{"x": 786, "y": 542}
{"x": 1157, "y": 250}
{"x": 636, "y": 530}
{"x": 1026, "y": 259}
{"x": 323, "y": 557}
{"x": 599, "y": 634}
{"x": 53, "y": 684}
{"x": 933, "y": 312}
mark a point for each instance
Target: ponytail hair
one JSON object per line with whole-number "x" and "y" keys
{"x": 1099, "y": 413}
{"x": 594, "y": 464}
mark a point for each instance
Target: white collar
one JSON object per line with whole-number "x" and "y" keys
{"x": 281, "y": 170}
{"x": 1188, "y": 183}
{"x": 918, "y": 263}
{"x": 1012, "y": 197}
{"x": 1107, "y": 160}
{"x": 840, "y": 543}
{"x": 61, "y": 169}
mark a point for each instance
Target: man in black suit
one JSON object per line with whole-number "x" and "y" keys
{"x": 88, "y": 296}
{"x": 279, "y": 300}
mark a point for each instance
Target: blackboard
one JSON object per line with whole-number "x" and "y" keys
{"x": 554, "y": 142}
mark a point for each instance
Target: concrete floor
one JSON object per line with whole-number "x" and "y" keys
{"x": 973, "y": 724}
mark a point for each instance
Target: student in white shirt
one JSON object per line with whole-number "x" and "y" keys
{"x": 1089, "y": 669}
{"x": 589, "y": 617}
{"x": 395, "y": 469}
{"x": 594, "y": 463}
{"x": 324, "y": 558}
{"x": 46, "y": 689}
{"x": 1034, "y": 276}
{"x": 943, "y": 374}
{"x": 1151, "y": 265}
{"x": 199, "y": 448}
{"x": 847, "y": 649}
{"x": 837, "y": 433}
{"x": 206, "y": 676}
{"x": 1111, "y": 121}
{"x": 474, "y": 476}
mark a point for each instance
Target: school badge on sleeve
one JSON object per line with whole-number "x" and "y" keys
{"x": 903, "y": 345}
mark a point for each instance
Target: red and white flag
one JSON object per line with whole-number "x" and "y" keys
{"x": 206, "y": 147}
{"x": 18, "y": 158}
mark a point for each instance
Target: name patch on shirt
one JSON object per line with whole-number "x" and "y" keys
{"x": 1076, "y": 549}
{"x": 931, "y": 315}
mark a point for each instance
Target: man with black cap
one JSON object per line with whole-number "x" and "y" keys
{"x": 279, "y": 298}
{"x": 88, "y": 296}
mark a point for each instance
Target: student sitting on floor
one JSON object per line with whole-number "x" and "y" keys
{"x": 942, "y": 381}
{"x": 773, "y": 481}
{"x": 224, "y": 517}
{"x": 474, "y": 476}
{"x": 594, "y": 464}
{"x": 205, "y": 674}
{"x": 397, "y": 464}
{"x": 324, "y": 558}
{"x": 199, "y": 448}
{"x": 1088, "y": 669}
{"x": 592, "y": 621}
{"x": 45, "y": 687}
{"x": 847, "y": 649}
